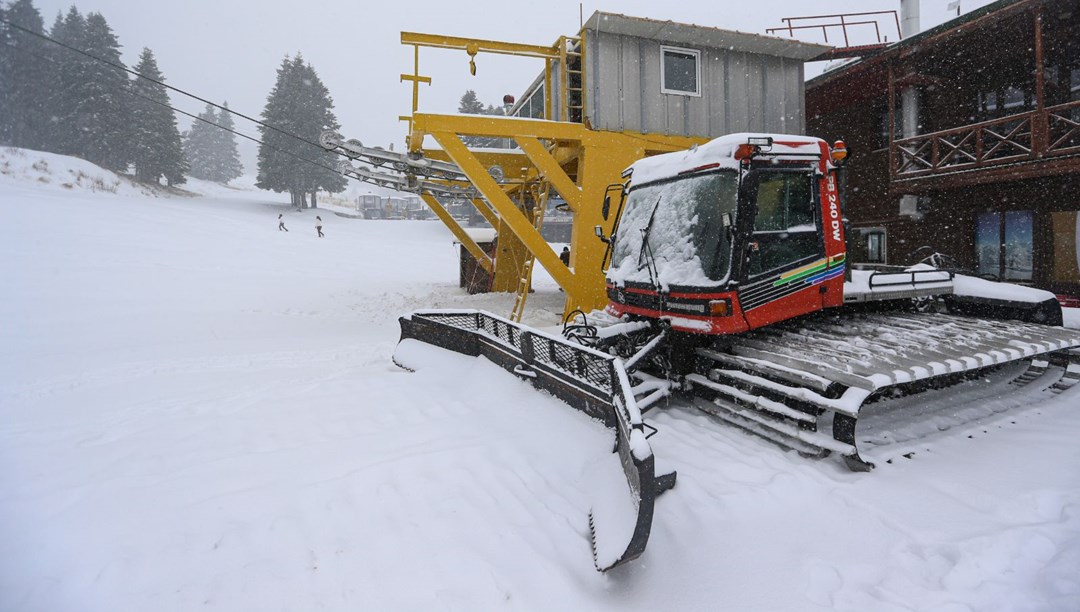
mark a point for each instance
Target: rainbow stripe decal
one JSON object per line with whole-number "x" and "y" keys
{"x": 792, "y": 281}
{"x": 816, "y": 272}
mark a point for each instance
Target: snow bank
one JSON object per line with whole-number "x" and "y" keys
{"x": 51, "y": 172}
{"x": 978, "y": 287}
{"x": 1072, "y": 317}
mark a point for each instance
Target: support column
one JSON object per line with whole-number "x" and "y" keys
{"x": 1040, "y": 128}
{"x": 600, "y": 162}
{"x": 458, "y": 232}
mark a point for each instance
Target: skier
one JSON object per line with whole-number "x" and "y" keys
{"x": 318, "y": 226}
{"x": 281, "y": 224}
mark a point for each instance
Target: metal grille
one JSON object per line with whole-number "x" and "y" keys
{"x": 460, "y": 320}
{"x": 504, "y": 331}
{"x": 593, "y": 369}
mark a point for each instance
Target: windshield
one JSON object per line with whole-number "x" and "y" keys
{"x": 785, "y": 231}
{"x": 678, "y": 226}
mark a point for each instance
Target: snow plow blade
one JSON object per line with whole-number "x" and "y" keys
{"x": 588, "y": 380}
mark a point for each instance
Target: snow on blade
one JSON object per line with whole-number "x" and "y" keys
{"x": 614, "y": 514}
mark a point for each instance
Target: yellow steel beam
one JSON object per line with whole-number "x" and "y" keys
{"x": 547, "y": 165}
{"x": 459, "y": 233}
{"x": 476, "y": 45}
{"x": 513, "y": 163}
{"x": 564, "y": 81}
{"x": 504, "y": 127}
{"x": 547, "y": 90}
{"x": 581, "y": 165}
{"x": 512, "y": 127}
{"x": 510, "y": 256}
{"x": 485, "y": 211}
{"x": 510, "y": 215}
{"x": 416, "y": 80}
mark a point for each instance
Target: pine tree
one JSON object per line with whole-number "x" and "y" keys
{"x": 227, "y": 155}
{"x": 24, "y": 78}
{"x": 299, "y": 107}
{"x": 274, "y": 163}
{"x": 5, "y": 79}
{"x": 471, "y": 104}
{"x": 103, "y": 104}
{"x": 63, "y": 103}
{"x": 155, "y": 138}
{"x": 7, "y": 64}
{"x": 317, "y": 116}
{"x": 210, "y": 147}
{"x": 200, "y": 146}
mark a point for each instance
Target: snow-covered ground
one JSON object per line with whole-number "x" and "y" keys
{"x": 199, "y": 411}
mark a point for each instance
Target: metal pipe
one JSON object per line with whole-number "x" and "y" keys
{"x": 909, "y": 18}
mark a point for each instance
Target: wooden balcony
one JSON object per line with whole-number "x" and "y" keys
{"x": 1036, "y": 143}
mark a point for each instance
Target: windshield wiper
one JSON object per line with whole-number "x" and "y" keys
{"x": 646, "y": 249}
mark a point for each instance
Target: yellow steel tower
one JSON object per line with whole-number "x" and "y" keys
{"x": 559, "y": 152}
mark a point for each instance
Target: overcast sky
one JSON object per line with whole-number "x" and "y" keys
{"x": 230, "y": 49}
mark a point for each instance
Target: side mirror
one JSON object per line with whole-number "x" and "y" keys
{"x": 599, "y": 231}
{"x": 605, "y": 210}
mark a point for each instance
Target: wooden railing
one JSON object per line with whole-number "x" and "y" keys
{"x": 1063, "y": 128}
{"x": 1025, "y": 136}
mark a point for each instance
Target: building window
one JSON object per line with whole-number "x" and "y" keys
{"x": 873, "y": 241}
{"x": 680, "y": 71}
{"x": 1004, "y": 245}
{"x": 533, "y": 106}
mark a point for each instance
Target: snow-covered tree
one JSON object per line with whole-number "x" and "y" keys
{"x": 62, "y": 103}
{"x": 104, "y": 112}
{"x": 155, "y": 137}
{"x": 200, "y": 145}
{"x": 90, "y": 105}
{"x": 24, "y": 78}
{"x": 470, "y": 104}
{"x": 210, "y": 147}
{"x": 299, "y": 108}
{"x": 228, "y": 156}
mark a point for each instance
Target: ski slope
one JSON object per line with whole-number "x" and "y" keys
{"x": 199, "y": 411}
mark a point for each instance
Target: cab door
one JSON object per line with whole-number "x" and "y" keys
{"x": 784, "y": 253}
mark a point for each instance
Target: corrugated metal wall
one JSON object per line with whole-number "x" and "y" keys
{"x": 740, "y": 92}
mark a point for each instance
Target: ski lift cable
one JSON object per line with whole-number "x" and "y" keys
{"x": 219, "y": 126}
{"x": 170, "y": 87}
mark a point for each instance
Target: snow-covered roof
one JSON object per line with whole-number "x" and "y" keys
{"x": 690, "y": 34}
{"x": 719, "y": 151}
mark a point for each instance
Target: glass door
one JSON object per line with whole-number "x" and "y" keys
{"x": 1005, "y": 245}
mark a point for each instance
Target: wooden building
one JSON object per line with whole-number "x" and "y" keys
{"x": 965, "y": 140}
{"x": 646, "y": 76}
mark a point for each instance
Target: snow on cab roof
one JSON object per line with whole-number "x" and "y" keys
{"x": 719, "y": 151}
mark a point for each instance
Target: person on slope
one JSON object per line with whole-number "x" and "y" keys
{"x": 318, "y": 226}
{"x": 281, "y": 224}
